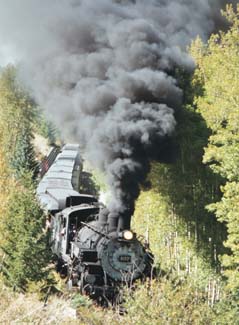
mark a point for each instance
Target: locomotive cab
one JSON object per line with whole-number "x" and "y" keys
{"x": 65, "y": 226}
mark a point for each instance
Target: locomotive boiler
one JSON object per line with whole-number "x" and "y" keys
{"x": 94, "y": 248}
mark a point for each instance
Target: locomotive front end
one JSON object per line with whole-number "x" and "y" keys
{"x": 124, "y": 259}
{"x": 105, "y": 256}
{"x": 110, "y": 259}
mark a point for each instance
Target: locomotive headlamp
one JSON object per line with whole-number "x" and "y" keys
{"x": 128, "y": 235}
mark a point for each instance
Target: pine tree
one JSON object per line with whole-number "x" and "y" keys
{"x": 17, "y": 113}
{"x": 45, "y": 128}
{"x": 25, "y": 244}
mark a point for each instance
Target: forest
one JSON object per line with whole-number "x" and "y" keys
{"x": 189, "y": 207}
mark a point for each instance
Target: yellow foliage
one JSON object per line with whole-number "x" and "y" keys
{"x": 6, "y": 185}
{"x": 217, "y": 86}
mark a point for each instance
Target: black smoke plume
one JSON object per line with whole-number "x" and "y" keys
{"x": 101, "y": 69}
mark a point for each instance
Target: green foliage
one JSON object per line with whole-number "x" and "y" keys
{"x": 217, "y": 75}
{"x": 17, "y": 114}
{"x": 24, "y": 254}
{"x": 24, "y": 157}
{"x": 25, "y": 243}
{"x": 185, "y": 241}
{"x": 187, "y": 186}
{"x": 170, "y": 303}
{"x": 88, "y": 184}
{"x": 6, "y": 184}
{"x": 81, "y": 301}
{"x": 92, "y": 181}
{"x": 45, "y": 128}
{"x": 175, "y": 247}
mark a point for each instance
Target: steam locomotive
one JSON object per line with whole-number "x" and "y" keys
{"x": 96, "y": 251}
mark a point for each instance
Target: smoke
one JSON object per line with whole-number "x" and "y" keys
{"x": 103, "y": 71}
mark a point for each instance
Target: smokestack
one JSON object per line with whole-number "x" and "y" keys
{"x": 113, "y": 220}
{"x": 103, "y": 71}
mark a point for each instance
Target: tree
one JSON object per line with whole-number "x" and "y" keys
{"x": 7, "y": 183}
{"x": 17, "y": 113}
{"x": 217, "y": 74}
{"x": 187, "y": 183}
{"x": 45, "y": 128}
{"x": 25, "y": 244}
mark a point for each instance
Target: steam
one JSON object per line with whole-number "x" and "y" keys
{"x": 103, "y": 71}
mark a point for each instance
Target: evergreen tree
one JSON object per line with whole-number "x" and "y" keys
{"x": 45, "y": 128}
{"x": 25, "y": 242}
{"x": 17, "y": 113}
